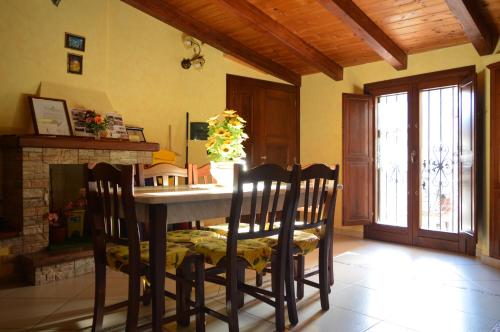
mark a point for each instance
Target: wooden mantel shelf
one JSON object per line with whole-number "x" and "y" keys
{"x": 71, "y": 142}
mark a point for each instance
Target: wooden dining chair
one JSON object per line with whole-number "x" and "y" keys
{"x": 200, "y": 175}
{"x": 316, "y": 217}
{"x": 162, "y": 174}
{"x": 272, "y": 189}
{"x": 110, "y": 191}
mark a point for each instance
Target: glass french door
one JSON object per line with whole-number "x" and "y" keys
{"x": 424, "y": 165}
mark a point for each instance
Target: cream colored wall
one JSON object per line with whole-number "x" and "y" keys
{"x": 130, "y": 55}
{"x": 321, "y": 109}
{"x": 32, "y": 50}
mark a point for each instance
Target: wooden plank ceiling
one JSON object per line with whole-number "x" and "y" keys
{"x": 290, "y": 38}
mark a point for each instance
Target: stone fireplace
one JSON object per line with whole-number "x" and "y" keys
{"x": 26, "y": 162}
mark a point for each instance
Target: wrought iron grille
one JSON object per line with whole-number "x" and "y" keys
{"x": 439, "y": 159}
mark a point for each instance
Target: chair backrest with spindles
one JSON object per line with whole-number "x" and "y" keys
{"x": 199, "y": 175}
{"x": 162, "y": 174}
{"x": 264, "y": 191}
{"x": 319, "y": 195}
{"x": 110, "y": 205}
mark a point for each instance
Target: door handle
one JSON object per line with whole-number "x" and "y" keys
{"x": 263, "y": 157}
{"x": 412, "y": 156}
{"x": 340, "y": 186}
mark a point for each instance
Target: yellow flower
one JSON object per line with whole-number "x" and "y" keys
{"x": 235, "y": 123}
{"x": 221, "y": 132}
{"x": 240, "y": 119}
{"x": 227, "y": 135}
{"x": 210, "y": 143}
{"x": 225, "y": 149}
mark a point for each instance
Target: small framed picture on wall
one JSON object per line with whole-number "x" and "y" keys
{"x": 74, "y": 42}
{"x": 75, "y": 63}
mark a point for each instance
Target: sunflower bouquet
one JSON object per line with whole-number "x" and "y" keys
{"x": 225, "y": 137}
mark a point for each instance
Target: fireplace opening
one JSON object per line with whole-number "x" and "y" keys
{"x": 67, "y": 206}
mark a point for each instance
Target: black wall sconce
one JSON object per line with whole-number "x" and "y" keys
{"x": 197, "y": 60}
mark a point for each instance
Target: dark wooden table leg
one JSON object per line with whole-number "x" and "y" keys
{"x": 157, "y": 250}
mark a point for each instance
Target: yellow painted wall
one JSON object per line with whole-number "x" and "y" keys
{"x": 131, "y": 56}
{"x": 321, "y": 108}
{"x": 136, "y": 60}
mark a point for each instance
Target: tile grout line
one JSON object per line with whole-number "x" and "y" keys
{"x": 59, "y": 307}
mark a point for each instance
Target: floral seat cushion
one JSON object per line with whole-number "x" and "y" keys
{"x": 255, "y": 252}
{"x": 117, "y": 257}
{"x": 303, "y": 241}
{"x": 222, "y": 229}
{"x": 318, "y": 231}
{"x": 192, "y": 236}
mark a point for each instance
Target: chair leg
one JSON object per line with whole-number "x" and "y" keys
{"x": 290, "y": 293}
{"x": 278, "y": 290}
{"x": 258, "y": 278}
{"x": 146, "y": 292}
{"x": 199, "y": 284}
{"x": 183, "y": 294}
{"x": 300, "y": 267}
{"x": 324, "y": 284}
{"x": 241, "y": 278}
{"x": 99, "y": 296}
{"x": 330, "y": 264}
{"x": 232, "y": 300}
{"x": 134, "y": 298}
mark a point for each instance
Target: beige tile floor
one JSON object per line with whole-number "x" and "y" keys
{"x": 378, "y": 287}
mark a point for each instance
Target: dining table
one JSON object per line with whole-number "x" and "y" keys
{"x": 160, "y": 206}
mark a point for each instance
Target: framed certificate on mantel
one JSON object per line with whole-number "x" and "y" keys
{"x": 50, "y": 116}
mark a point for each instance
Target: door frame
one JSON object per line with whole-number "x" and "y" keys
{"x": 413, "y": 235}
{"x": 234, "y": 80}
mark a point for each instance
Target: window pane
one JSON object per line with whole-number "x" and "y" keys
{"x": 392, "y": 160}
{"x": 439, "y": 159}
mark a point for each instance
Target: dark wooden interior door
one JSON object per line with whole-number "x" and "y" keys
{"x": 495, "y": 160}
{"x": 358, "y": 160}
{"x": 272, "y": 114}
{"x": 466, "y": 167}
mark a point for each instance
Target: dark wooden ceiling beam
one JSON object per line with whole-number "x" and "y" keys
{"x": 264, "y": 23}
{"x": 363, "y": 27}
{"x": 172, "y": 16}
{"x": 481, "y": 35}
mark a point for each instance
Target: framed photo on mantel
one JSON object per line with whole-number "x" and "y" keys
{"x": 50, "y": 116}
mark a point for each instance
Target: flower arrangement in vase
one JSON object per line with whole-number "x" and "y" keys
{"x": 225, "y": 145}
{"x": 96, "y": 123}
{"x": 57, "y": 228}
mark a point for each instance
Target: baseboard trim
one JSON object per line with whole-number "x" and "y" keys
{"x": 348, "y": 232}
{"x": 490, "y": 261}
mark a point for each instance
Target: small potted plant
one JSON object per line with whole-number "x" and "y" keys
{"x": 74, "y": 212}
{"x": 57, "y": 229}
{"x": 225, "y": 145}
{"x": 96, "y": 123}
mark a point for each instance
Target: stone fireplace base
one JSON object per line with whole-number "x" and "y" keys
{"x": 25, "y": 181}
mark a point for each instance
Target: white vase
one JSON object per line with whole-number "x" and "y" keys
{"x": 222, "y": 172}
